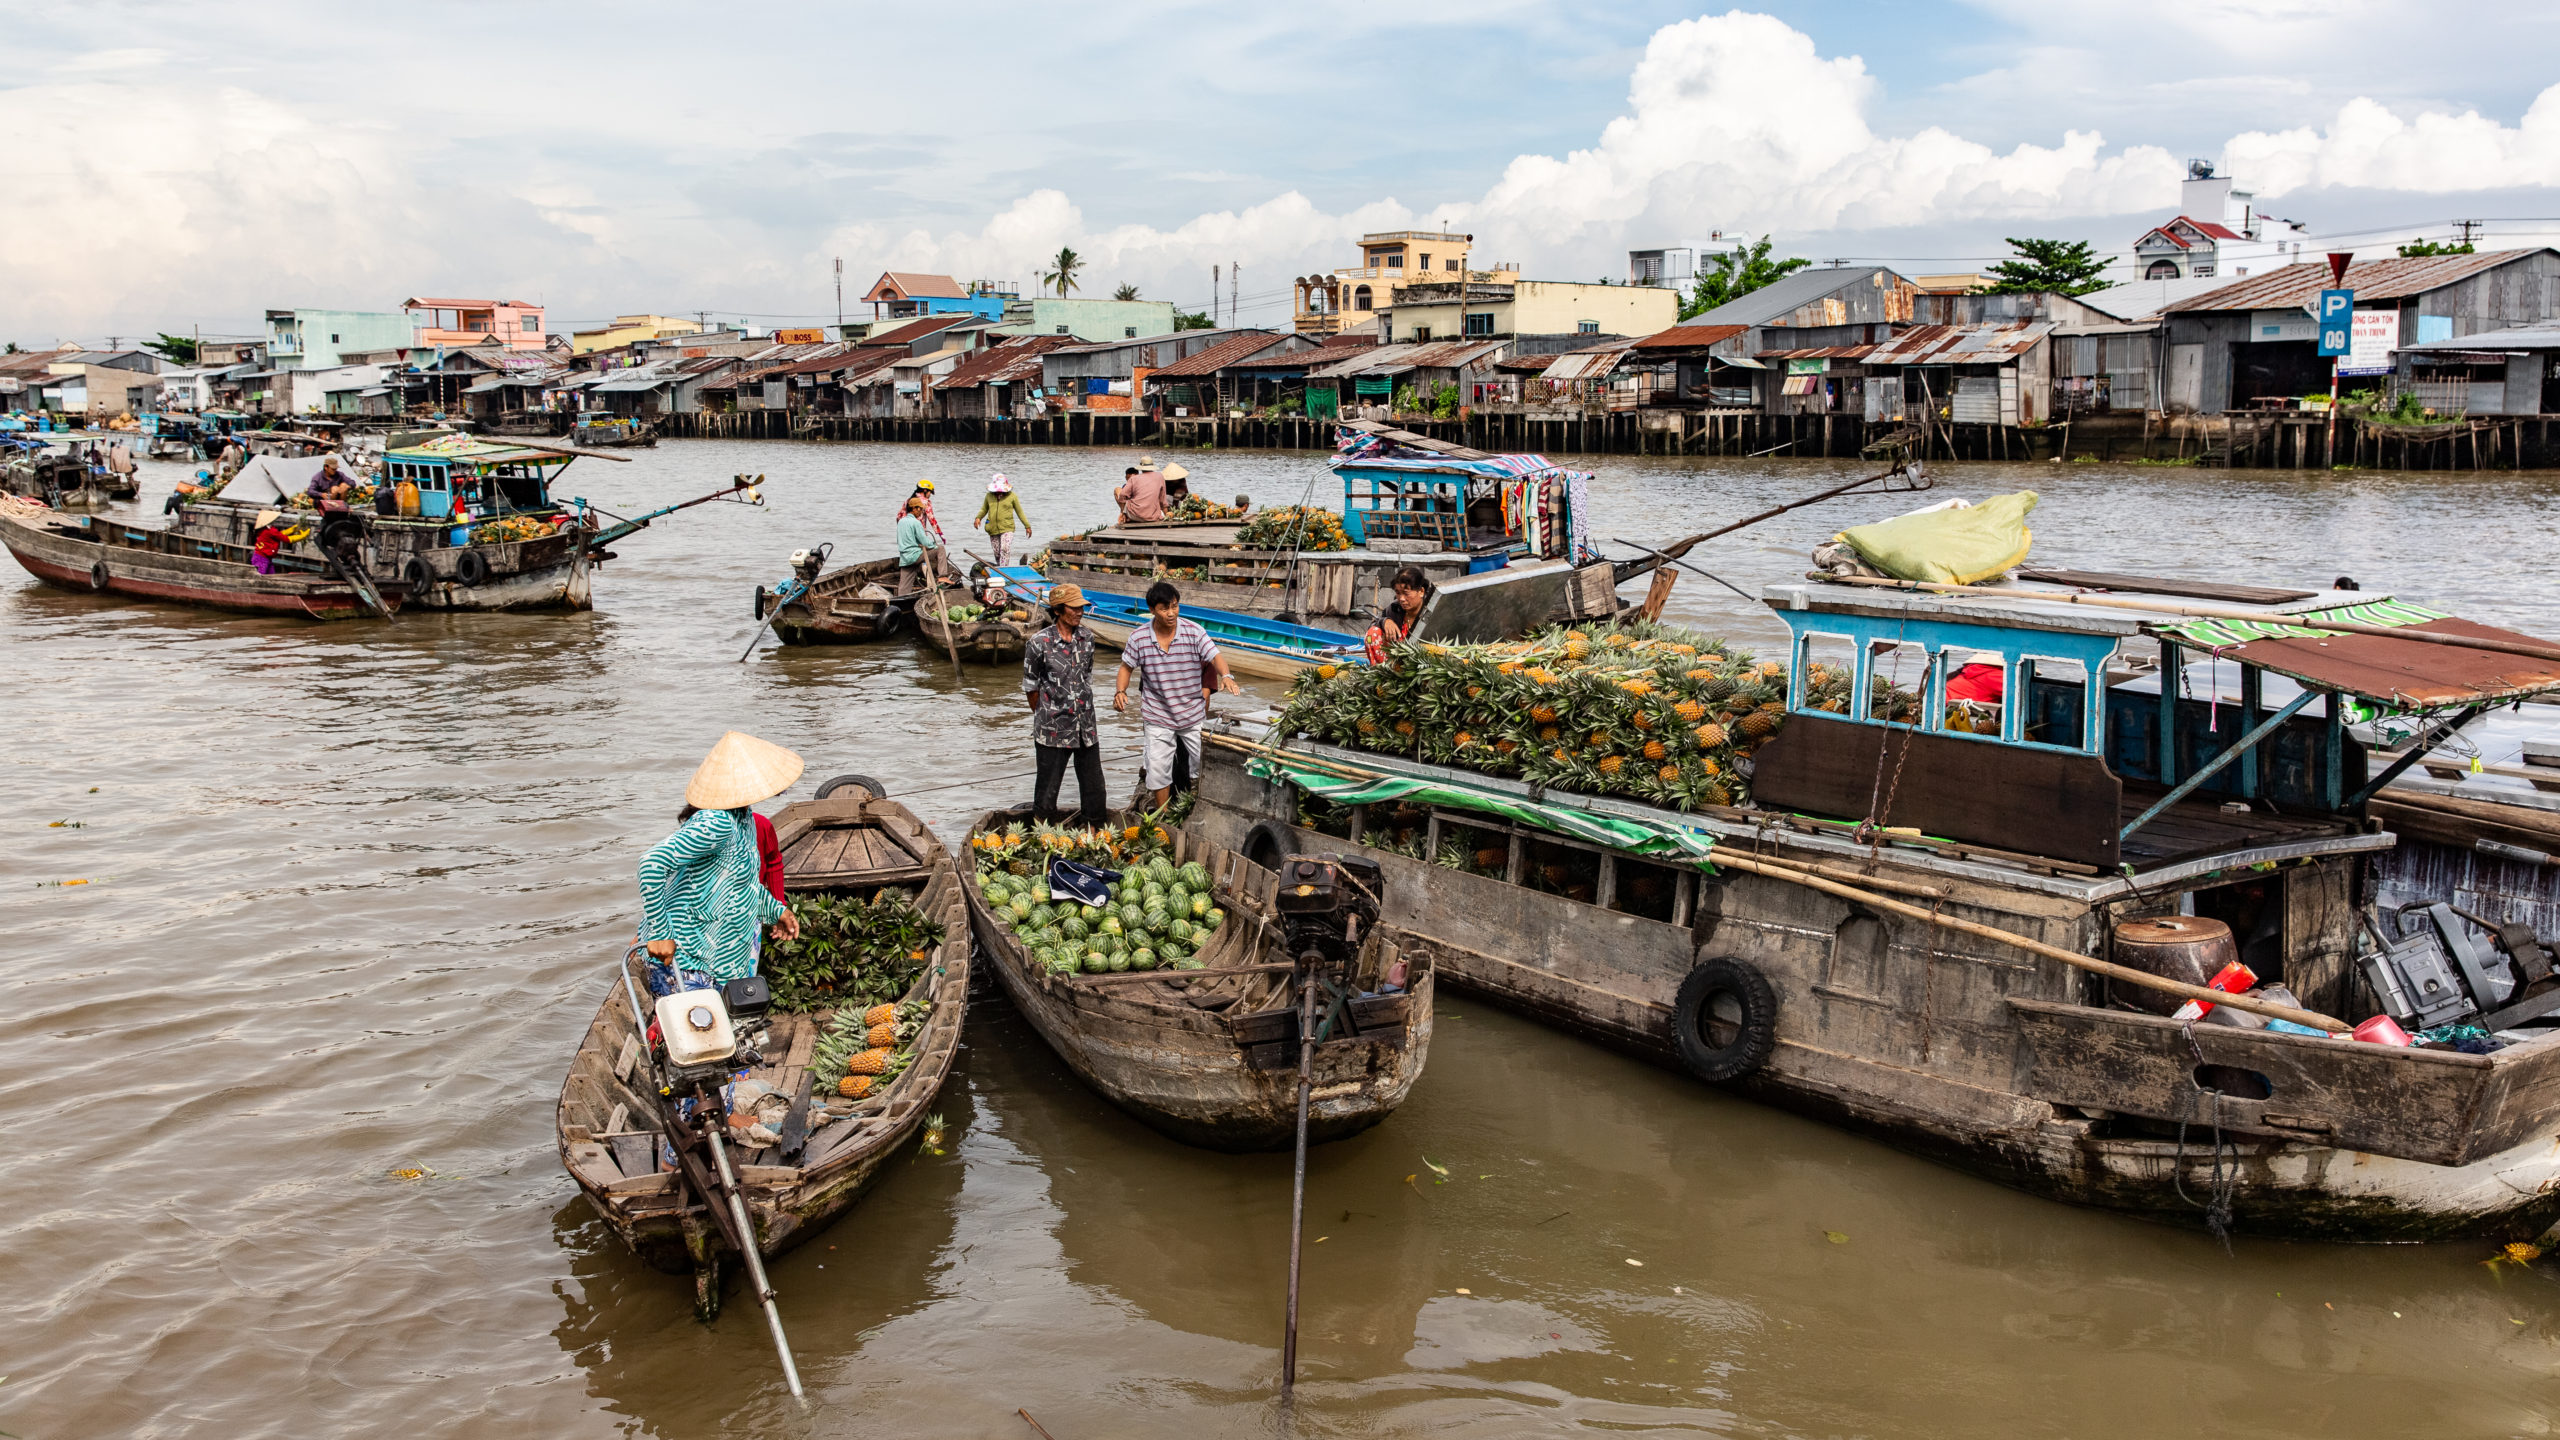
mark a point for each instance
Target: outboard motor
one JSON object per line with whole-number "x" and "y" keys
{"x": 806, "y": 566}
{"x": 1326, "y": 906}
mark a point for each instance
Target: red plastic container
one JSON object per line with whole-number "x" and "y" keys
{"x": 2381, "y": 1030}
{"x": 2231, "y": 979}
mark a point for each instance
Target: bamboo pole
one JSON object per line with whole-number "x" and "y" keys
{"x": 2206, "y": 612}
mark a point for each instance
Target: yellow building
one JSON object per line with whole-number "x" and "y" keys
{"x": 627, "y": 328}
{"x": 1389, "y": 260}
{"x": 1489, "y": 309}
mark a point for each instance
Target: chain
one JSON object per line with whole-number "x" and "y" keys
{"x": 1929, "y": 977}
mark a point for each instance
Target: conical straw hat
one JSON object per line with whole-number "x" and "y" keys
{"x": 741, "y": 770}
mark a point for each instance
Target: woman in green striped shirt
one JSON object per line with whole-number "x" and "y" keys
{"x": 703, "y": 903}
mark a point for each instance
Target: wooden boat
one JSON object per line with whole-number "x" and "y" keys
{"x": 98, "y": 555}
{"x": 2091, "y": 805}
{"x": 834, "y": 611}
{"x": 609, "y": 1119}
{"x": 613, "y": 431}
{"x": 1212, "y": 1061}
{"x": 991, "y": 639}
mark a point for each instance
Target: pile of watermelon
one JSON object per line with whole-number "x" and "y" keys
{"x": 1158, "y": 917}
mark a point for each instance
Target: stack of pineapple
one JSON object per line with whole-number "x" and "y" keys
{"x": 863, "y": 1050}
{"x": 1652, "y": 712}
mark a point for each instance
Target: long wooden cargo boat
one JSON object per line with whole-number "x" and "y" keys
{"x": 98, "y": 555}
{"x": 1212, "y": 1060}
{"x": 2096, "y": 811}
{"x": 610, "y": 1121}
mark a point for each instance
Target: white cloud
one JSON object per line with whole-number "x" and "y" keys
{"x": 138, "y": 197}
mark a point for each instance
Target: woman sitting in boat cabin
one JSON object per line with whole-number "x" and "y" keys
{"x": 705, "y": 898}
{"x": 1403, "y": 614}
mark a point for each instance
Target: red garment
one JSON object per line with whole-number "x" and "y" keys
{"x": 768, "y": 856}
{"x": 269, "y": 541}
{"x": 1981, "y": 684}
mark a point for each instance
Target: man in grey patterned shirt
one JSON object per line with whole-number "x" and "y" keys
{"x": 1057, "y": 683}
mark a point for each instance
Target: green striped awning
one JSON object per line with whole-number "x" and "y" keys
{"x": 1636, "y": 837}
{"x": 2223, "y": 634}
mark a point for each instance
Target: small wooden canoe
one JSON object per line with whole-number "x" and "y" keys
{"x": 835, "y": 611}
{"x": 991, "y": 639}
{"x": 610, "y": 1120}
{"x": 101, "y": 555}
{"x": 1212, "y": 1060}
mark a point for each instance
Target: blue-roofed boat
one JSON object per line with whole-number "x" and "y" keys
{"x": 1406, "y": 500}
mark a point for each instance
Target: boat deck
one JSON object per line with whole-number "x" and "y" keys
{"x": 2201, "y": 827}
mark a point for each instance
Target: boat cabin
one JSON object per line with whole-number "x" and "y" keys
{"x": 491, "y": 477}
{"x": 2107, "y": 736}
{"x": 1409, "y": 493}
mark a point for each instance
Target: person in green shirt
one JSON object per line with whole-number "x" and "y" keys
{"x": 998, "y": 514}
{"x": 919, "y": 551}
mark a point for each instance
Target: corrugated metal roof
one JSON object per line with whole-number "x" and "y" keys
{"x": 1689, "y": 337}
{"x": 2522, "y": 337}
{"x": 1781, "y": 296}
{"x": 1397, "y": 359}
{"x": 1588, "y": 363}
{"x": 915, "y": 330}
{"x": 2292, "y": 286}
{"x": 428, "y": 302}
{"x": 1960, "y": 344}
{"x": 1014, "y": 359}
{"x": 1828, "y": 352}
{"x": 1229, "y": 352}
{"x": 2140, "y": 299}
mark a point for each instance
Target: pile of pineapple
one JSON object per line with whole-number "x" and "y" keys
{"x": 1652, "y": 712}
{"x": 1311, "y": 528}
{"x": 863, "y": 1050}
{"x": 1158, "y": 917}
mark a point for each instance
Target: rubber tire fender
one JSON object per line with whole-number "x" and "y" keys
{"x": 98, "y": 577}
{"x": 416, "y": 575}
{"x": 864, "y": 782}
{"x": 894, "y": 623}
{"x": 761, "y": 600}
{"x": 471, "y": 568}
{"x": 1755, "y": 1039}
{"x": 1267, "y": 843}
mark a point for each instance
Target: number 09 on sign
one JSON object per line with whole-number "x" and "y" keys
{"x": 2336, "y": 314}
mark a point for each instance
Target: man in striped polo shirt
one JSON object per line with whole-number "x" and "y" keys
{"x": 1173, "y": 659}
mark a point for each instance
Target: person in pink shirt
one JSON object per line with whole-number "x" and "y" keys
{"x": 1141, "y": 496}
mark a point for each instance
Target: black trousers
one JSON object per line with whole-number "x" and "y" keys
{"x": 1095, "y": 805}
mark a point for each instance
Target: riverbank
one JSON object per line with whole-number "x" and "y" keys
{"x": 2280, "y": 440}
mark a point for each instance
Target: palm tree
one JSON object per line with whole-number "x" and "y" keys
{"x": 1125, "y": 292}
{"x": 1061, "y": 274}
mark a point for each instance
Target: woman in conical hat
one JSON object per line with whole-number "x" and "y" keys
{"x": 703, "y": 903}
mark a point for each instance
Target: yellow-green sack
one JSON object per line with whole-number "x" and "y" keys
{"x": 1950, "y": 547}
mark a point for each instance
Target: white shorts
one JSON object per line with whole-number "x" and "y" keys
{"x": 1160, "y": 743}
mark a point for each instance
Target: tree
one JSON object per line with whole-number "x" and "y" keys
{"x": 1737, "y": 273}
{"x": 2062, "y": 267}
{"x": 1062, "y": 271}
{"x": 1125, "y": 292}
{"x": 2420, "y": 249}
{"x": 175, "y": 347}
{"x": 1190, "y": 319}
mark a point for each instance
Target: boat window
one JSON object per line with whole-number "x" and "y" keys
{"x": 1324, "y": 817}
{"x": 1559, "y": 869}
{"x": 1646, "y": 889}
{"x": 1897, "y": 682}
{"x": 1474, "y": 849}
{"x": 1819, "y": 679}
{"x": 1976, "y": 690}
{"x": 1399, "y": 828}
{"x": 2054, "y": 697}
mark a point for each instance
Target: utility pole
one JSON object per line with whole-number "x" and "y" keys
{"x": 1235, "y": 274}
{"x": 2469, "y": 229}
{"x": 839, "y": 296}
{"x": 1216, "y": 278}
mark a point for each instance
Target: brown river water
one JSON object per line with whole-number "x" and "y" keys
{"x": 355, "y": 891}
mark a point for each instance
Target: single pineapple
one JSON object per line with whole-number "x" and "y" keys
{"x": 1667, "y": 774}
{"x": 1690, "y": 712}
{"x": 1710, "y": 735}
{"x": 854, "y": 1086}
{"x": 1612, "y": 764}
{"x": 1636, "y": 687}
{"x": 879, "y": 1015}
{"x": 882, "y": 1036}
{"x": 1543, "y": 714}
{"x": 1759, "y": 725}
{"x": 868, "y": 1062}
{"x": 1655, "y": 750}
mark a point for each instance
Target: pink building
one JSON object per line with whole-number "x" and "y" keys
{"x": 454, "y": 324}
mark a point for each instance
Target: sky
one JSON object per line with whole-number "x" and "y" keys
{"x": 175, "y": 167}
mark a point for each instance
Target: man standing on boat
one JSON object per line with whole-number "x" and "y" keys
{"x": 703, "y": 899}
{"x": 1172, "y": 656}
{"x": 998, "y": 514}
{"x": 1141, "y": 496}
{"x": 1057, "y": 682}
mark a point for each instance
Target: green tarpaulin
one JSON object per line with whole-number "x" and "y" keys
{"x": 1636, "y": 837}
{"x": 2223, "y": 634}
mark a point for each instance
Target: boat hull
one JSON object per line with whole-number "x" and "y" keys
{"x": 1994, "y": 1067}
{"x": 1182, "y": 1072}
{"x": 71, "y": 562}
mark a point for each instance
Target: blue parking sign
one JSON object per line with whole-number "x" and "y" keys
{"x": 2337, "y": 319}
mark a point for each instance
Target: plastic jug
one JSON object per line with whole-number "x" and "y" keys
{"x": 2381, "y": 1030}
{"x": 407, "y": 490}
{"x": 2231, "y": 979}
